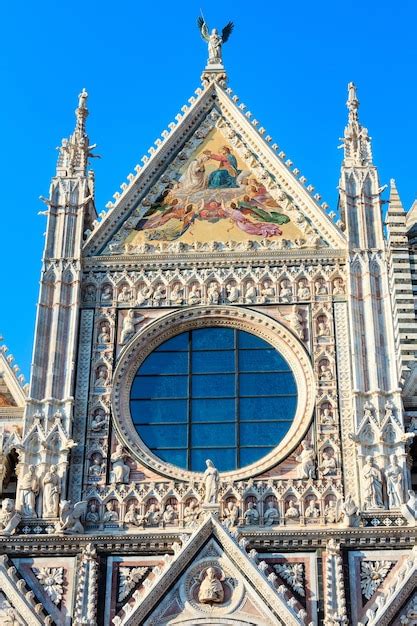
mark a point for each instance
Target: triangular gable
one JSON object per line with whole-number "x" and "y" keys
{"x": 12, "y": 393}
{"x": 277, "y": 607}
{"x": 17, "y": 602}
{"x": 215, "y": 117}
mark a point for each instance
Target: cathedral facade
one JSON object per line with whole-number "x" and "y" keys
{"x": 156, "y": 470}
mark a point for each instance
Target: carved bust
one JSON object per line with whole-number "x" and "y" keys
{"x": 211, "y": 589}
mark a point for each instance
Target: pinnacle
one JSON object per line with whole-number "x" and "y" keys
{"x": 395, "y": 204}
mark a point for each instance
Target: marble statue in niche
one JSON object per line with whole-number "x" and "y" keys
{"x": 211, "y": 589}
{"x": 250, "y": 293}
{"x": 338, "y": 288}
{"x": 93, "y": 514}
{"x": 372, "y": 478}
{"x": 330, "y": 512}
{"x": 395, "y": 489}
{"x": 328, "y": 465}
{"x": 99, "y": 420}
{"x": 192, "y": 513}
{"x": 153, "y": 515}
{"x": 101, "y": 378}
{"x": 120, "y": 469}
{"x": 29, "y": 490}
{"x": 51, "y": 492}
{"x": 110, "y": 514}
{"x": 144, "y": 295}
{"x": 292, "y": 511}
{"x": 213, "y": 293}
{"x": 169, "y": 515}
{"x": 177, "y": 296}
{"x": 271, "y": 515}
{"x": 133, "y": 516}
{"x": 231, "y": 515}
{"x": 303, "y": 291}
{"x": 267, "y": 292}
{"x": 194, "y": 297}
{"x": 285, "y": 291}
{"x": 251, "y": 514}
{"x": 306, "y": 460}
{"x": 104, "y": 334}
{"x": 97, "y": 467}
{"x": 312, "y": 509}
{"x": 232, "y": 293}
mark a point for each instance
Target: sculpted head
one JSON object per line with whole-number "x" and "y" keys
{"x": 7, "y": 505}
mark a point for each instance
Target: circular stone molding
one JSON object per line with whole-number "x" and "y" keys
{"x": 166, "y": 327}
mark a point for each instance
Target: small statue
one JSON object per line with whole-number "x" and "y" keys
{"x": 9, "y": 518}
{"x": 251, "y": 515}
{"x": 350, "y": 513}
{"x": 232, "y": 293}
{"x": 307, "y": 461}
{"x": 320, "y": 287}
{"x": 213, "y": 294}
{"x": 312, "y": 510}
{"x": 214, "y": 40}
{"x": 176, "y": 295}
{"x": 330, "y": 512}
{"x": 326, "y": 417}
{"x": 125, "y": 294}
{"x": 169, "y": 515}
{"x": 143, "y": 295}
{"x": 101, "y": 379}
{"x": 104, "y": 334}
{"x": 92, "y": 514}
{"x": 192, "y": 513}
{"x": 51, "y": 492}
{"x": 303, "y": 291}
{"x": 89, "y": 294}
{"x": 120, "y": 469}
{"x": 159, "y": 295}
{"x": 231, "y": 515}
{"x": 292, "y": 511}
{"x": 133, "y": 516}
{"x": 325, "y": 373}
{"x": 285, "y": 292}
{"x": 29, "y": 490}
{"x": 323, "y": 329}
{"x": 99, "y": 420}
{"x": 296, "y": 322}
{"x": 394, "y": 476}
{"x": 328, "y": 465}
{"x": 271, "y": 515}
{"x": 211, "y": 590}
{"x": 211, "y": 483}
{"x": 107, "y": 293}
{"x": 267, "y": 291}
{"x": 97, "y": 466}
{"x": 372, "y": 478}
{"x": 338, "y": 288}
{"x": 250, "y": 293}
{"x": 194, "y": 297}
{"x": 110, "y": 514}
{"x": 128, "y": 326}
{"x": 69, "y": 517}
{"x": 153, "y": 515}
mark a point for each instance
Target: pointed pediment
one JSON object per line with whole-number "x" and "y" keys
{"x": 12, "y": 392}
{"x": 212, "y": 577}
{"x": 214, "y": 179}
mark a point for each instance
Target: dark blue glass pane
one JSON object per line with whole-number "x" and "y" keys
{"x": 179, "y": 342}
{"x": 213, "y": 361}
{"x": 266, "y": 384}
{"x": 262, "y": 433}
{"x": 213, "y": 385}
{"x": 267, "y": 408}
{"x": 212, "y": 410}
{"x": 247, "y": 340}
{"x": 156, "y": 436}
{"x": 176, "y": 457}
{"x": 159, "y": 387}
{"x": 165, "y": 363}
{"x": 213, "y": 435}
{"x": 224, "y": 459}
{"x": 250, "y": 455}
{"x": 144, "y": 411}
{"x": 213, "y": 339}
{"x": 262, "y": 361}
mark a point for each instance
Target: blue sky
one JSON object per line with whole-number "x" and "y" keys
{"x": 140, "y": 61}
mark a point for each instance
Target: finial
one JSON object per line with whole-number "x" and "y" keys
{"x": 82, "y": 99}
{"x": 214, "y": 70}
{"x": 352, "y": 102}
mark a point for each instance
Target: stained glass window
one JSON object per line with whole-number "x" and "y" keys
{"x": 215, "y": 393}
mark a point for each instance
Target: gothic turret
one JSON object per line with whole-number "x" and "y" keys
{"x": 70, "y": 212}
{"x": 376, "y": 392}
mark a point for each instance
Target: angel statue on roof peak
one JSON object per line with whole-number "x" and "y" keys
{"x": 214, "y": 40}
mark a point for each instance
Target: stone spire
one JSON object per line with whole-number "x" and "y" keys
{"x": 75, "y": 151}
{"x": 356, "y": 140}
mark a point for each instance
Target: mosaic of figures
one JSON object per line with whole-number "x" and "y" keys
{"x": 215, "y": 197}
{"x": 213, "y": 286}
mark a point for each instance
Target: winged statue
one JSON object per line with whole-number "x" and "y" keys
{"x": 69, "y": 517}
{"x": 214, "y": 40}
